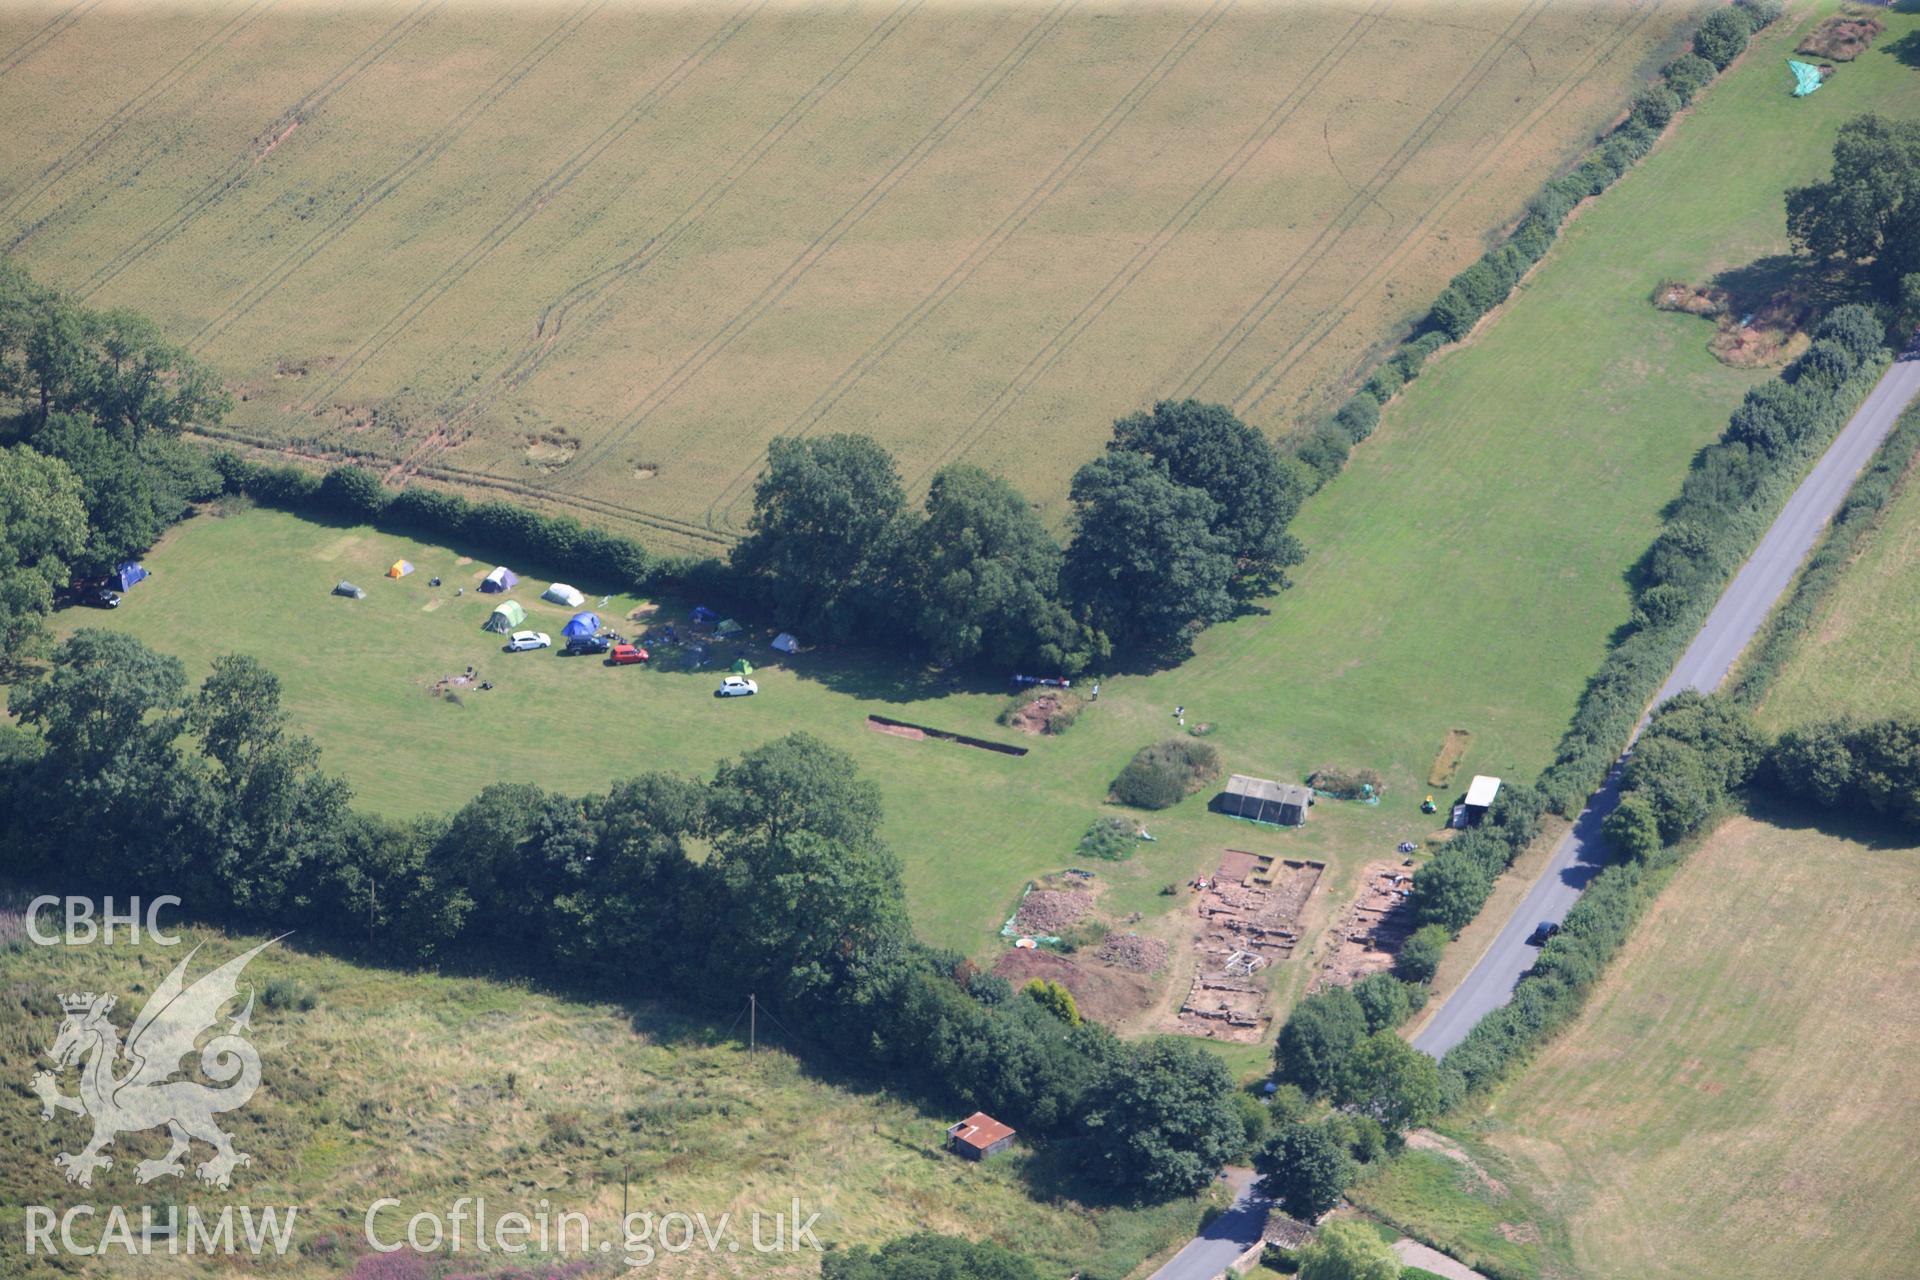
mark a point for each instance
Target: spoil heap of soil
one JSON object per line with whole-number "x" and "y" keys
{"x": 1131, "y": 951}
{"x": 1050, "y": 911}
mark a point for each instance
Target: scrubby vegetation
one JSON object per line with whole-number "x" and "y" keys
{"x": 1162, "y": 775}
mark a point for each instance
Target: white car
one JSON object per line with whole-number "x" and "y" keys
{"x": 522, "y": 640}
{"x": 736, "y": 687}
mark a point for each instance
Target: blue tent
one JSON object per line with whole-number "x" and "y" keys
{"x": 702, "y": 615}
{"x": 581, "y": 626}
{"x": 128, "y": 574}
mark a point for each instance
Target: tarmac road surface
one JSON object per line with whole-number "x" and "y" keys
{"x": 1748, "y": 599}
{"x": 1224, "y": 1239}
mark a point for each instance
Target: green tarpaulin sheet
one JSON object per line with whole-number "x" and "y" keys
{"x": 1806, "y": 78}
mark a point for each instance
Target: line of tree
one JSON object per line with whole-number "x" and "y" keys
{"x": 92, "y": 404}
{"x": 119, "y": 775}
{"x": 352, "y": 492}
{"x": 1477, "y": 290}
{"x": 1695, "y": 754}
{"x": 1882, "y": 478}
{"x": 1180, "y": 522}
{"x": 1728, "y": 499}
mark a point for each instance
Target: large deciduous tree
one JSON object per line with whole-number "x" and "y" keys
{"x": 1162, "y": 1124}
{"x": 809, "y": 889}
{"x": 829, "y": 516}
{"x": 1348, "y": 1251}
{"x": 1145, "y": 562}
{"x": 1255, "y": 490}
{"x": 989, "y": 577}
{"x": 1318, "y": 1038}
{"x": 1306, "y": 1168}
{"x": 1867, "y": 213}
{"x": 928, "y": 1257}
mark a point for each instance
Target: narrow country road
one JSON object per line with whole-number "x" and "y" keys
{"x": 1728, "y": 629}
{"x": 1225, "y": 1238}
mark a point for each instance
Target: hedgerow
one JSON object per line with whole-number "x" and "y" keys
{"x": 1490, "y": 281}
{"x": 1870, "y": 494}
{"x": 1695, "y": 753}
{"x": 1725, "y": 504}
{"x": 355, "y": 493}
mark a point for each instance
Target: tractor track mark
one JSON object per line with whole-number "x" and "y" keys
{"x": 823, "y": 243}
{"x": 719, "y": 511}
{"x": 555, "y": 182}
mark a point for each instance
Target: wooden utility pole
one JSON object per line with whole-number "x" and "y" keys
{"x": 753, "y": 1024}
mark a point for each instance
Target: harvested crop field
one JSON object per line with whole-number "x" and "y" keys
{"x": 598, "y": 256}
{"x": 1740, "y": 1096}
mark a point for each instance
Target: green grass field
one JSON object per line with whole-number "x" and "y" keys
{"x": 602, "y": 254}
{"x": 1739, "y": 1097}
{"x": 1854, "y": 658}
{"x": 425, "y": 1088}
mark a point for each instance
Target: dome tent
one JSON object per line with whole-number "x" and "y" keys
{"x": 561, "y": 593}
{"x": 582, "y": 626}
{"x": 400, "y": 569}
{"x": 501, "y": 579}
{"x": 506, "y": 616}
{"x": 345, "y": 588}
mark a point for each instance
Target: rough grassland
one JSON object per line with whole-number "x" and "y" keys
{"x": 604, "y": 254}
{"x": 1857, "y": 656}
{"x": 1739, "y": 1098}
{"x": 427, "y": 1088}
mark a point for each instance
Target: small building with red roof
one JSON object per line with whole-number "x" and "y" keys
{"x": 978, "y": 1136}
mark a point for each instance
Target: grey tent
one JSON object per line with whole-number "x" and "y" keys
{"x": 346, "y": 588}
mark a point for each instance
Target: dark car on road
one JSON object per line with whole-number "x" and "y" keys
{"x": 1541, "y": 932}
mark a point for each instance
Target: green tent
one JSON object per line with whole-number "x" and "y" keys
{"x": 1806, "y": 78}
{"x": 727, "y": 627}
{"x": 506, "y": 617}
{"x": 741, "y": 667}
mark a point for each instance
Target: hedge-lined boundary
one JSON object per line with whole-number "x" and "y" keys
{"x": 353, "y": 492}
{"x": 1721, "y": 37}
{"x": 1696, "y": 755}
{"x": 1729, "y": 500}
{"x": 1858, "y": 516}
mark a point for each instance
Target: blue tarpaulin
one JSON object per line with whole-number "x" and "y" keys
{"x": 582, "y": 625}
{"x": 128, "y": 574}
{"x": 702, "y": 615}
{"x": 1806, "y": 78}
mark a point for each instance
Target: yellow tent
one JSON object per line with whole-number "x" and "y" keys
{"x": 400, "y": 569}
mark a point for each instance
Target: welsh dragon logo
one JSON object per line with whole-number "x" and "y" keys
{"x": 147, "y": 1093}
